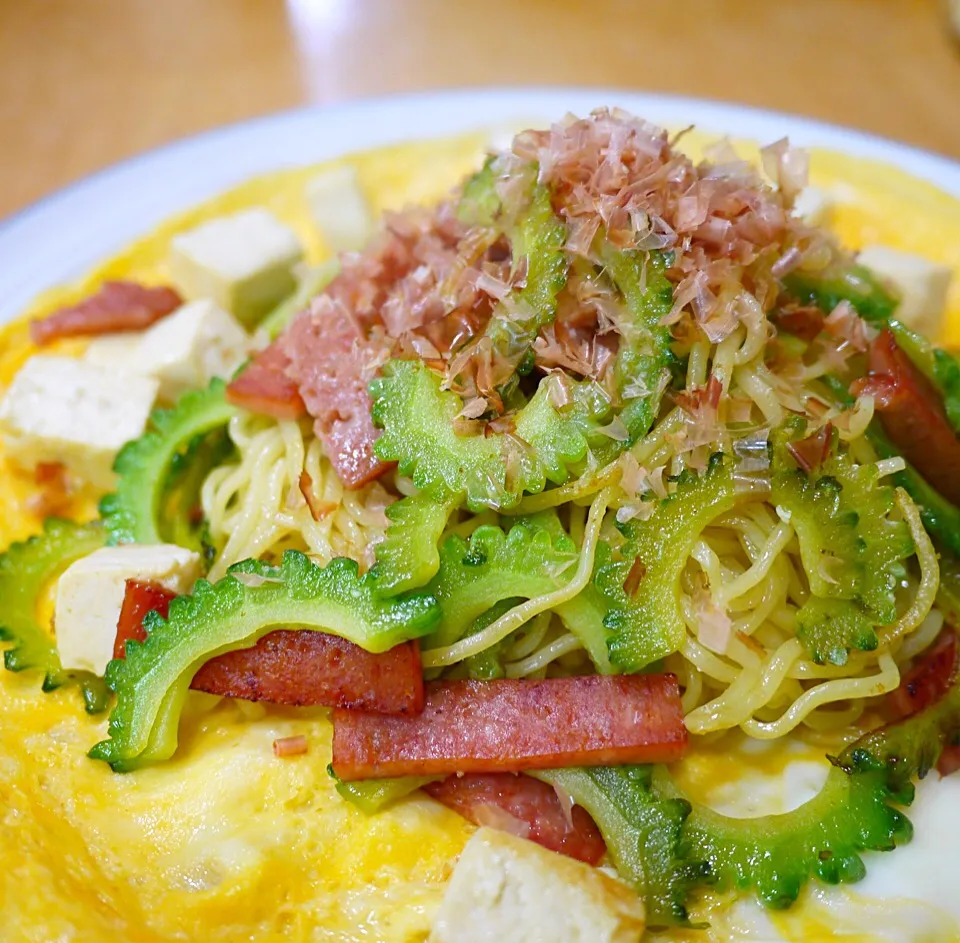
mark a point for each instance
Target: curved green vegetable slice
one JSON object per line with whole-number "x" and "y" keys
{"x": 409, "y": 555}
{"x": 372, "y": 795}
{"x": 180, "y": 512}
{"x": 666, "y": 845}
{"x": 26, "y": 569}
{"x": 253, "y": 599}
{"x": 649, "y": 625}
{"x": 908, "y": 749}
{"x": 851, "y": 282}
{"x": 852, "y": 551}
{"x": 940, "y": 517}
{"x": 644, "y": 356}
{"x": 132, "y": 513}
{"x": 830, "y": 628}
{"x": 538, "y": 240}
{"x": 494, "y": 471}
{"x": 777, "y": 854}
{"x": 477, "y": 574}
{"x": 642, "y": 832}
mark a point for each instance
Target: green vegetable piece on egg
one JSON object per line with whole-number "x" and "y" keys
{"x": 908, "y": 749}
{"x": 255, "y": 598}
{"x": 667, "y": 845}
{"x": 26, "y": 569}
{"x": 132, "y": 514}
{"x": 777, "y": 854}
{"x": 642, "y": 832}
{"x": 372, "y": 795}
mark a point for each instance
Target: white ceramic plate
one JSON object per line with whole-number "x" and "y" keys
{"x": 66, "y": 233}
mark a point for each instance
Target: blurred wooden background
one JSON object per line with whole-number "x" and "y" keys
{"x": 86, "y": 82}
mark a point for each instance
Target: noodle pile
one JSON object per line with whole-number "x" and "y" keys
{"x": 741, "y": 664}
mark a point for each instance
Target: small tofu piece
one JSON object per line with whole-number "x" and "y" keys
{"x": 506, "y": 888}
{"x": 115, "y": 351}
{"x": 90, "y": 595}
{"x": 923, "y": 286}
{"x": 814, "y": 206}
{"x": 59, "y": 409}
{"x": 186, "y": 350}
{"x": 339, "y": 209}
{"x": 243, "y": 262}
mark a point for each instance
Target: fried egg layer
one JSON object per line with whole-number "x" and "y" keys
{"x": 226, "y": 842}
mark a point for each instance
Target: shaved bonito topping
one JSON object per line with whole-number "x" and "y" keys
{"x": 428, "y": 285}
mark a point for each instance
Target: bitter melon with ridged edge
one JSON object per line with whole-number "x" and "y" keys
{"x": 26, "y": 569}
{"x": 491, "y": 566}
{"x": 851, "y": 546}
{"x": 667, "y": 845}
{"x": 417, "y": 419}
{"x": 254, "y": 598}
{"x": 132, "y": 513}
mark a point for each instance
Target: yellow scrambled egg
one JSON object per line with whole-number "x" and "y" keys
{"x": 226, "y": 842}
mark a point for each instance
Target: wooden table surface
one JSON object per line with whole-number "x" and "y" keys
{"x": 84, "y": 83}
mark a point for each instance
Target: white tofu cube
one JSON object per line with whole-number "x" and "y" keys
{"x": 115, "y": 351}
{"x": 243, "y": 262}
{"x": 186, "y": 350}
{"x": 923, "y": 286}
{"x": 339, "y": 209}
{"x": 59, "y": 409}
{"x": 814, "y": 206}
{"x": 506, "y": 888}
{"x": 90, "y": 594}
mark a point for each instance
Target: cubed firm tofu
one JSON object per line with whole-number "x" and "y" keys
{"x": 339, "y": 209}
{"x": 184, "y": 351}
{"x": 506, "y": 888}
{"x": 59, "y": 409}
{"x": 923, "y": 286}
{"x": 196, "y": 343}
{"x": 114, "y": 351}
{"x": 90, "y": 594}
{"x": 243, "y": 262}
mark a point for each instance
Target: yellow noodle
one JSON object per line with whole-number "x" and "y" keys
{"x": 530, "y": 639}
{"x": 886, "y": 680}
{"x": 776, "y": 543}
{"x": 507, "y": 623}
{"x": 544, "y": 656}
{"x": 926, "y": 593}
{"x": 254, "y": 508}
{"x": 749, "y": 380}
{"x": 697, "y": 364}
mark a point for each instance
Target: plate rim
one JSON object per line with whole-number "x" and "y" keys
{"x": 939, "y": 169}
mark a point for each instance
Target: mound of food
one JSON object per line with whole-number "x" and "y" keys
{"x": 609, "y": 462}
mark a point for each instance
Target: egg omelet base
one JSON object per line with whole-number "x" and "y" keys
{"x": 225, "y": 842}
